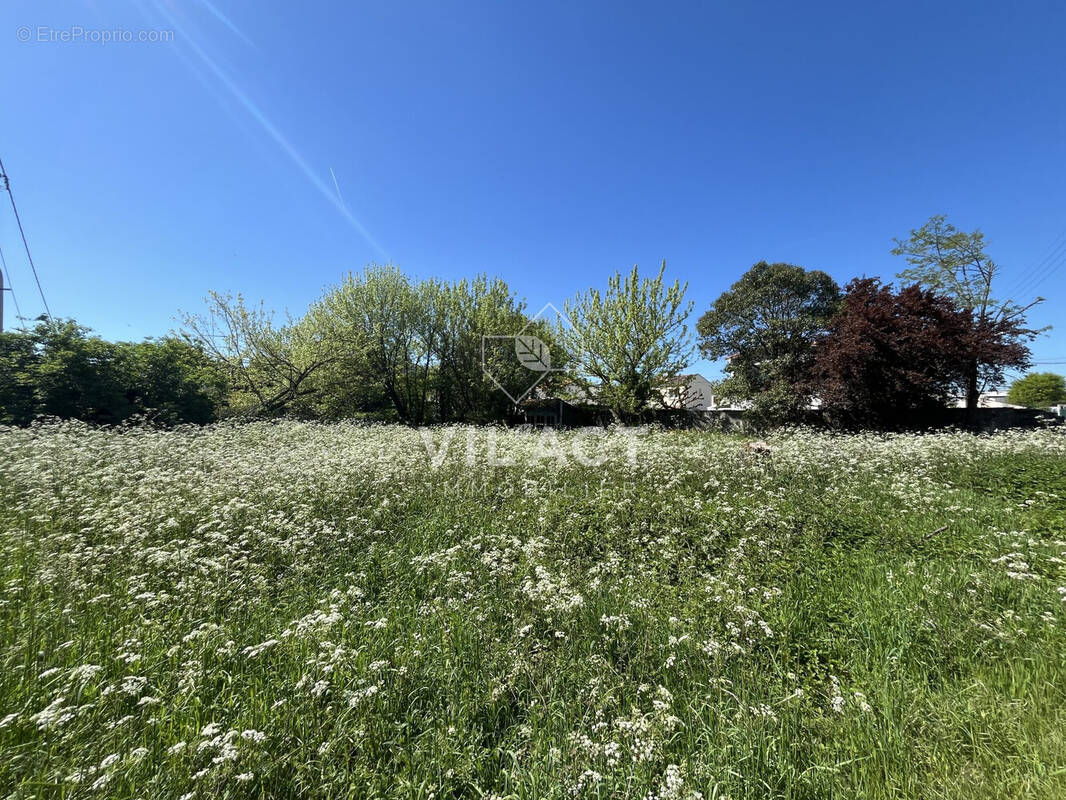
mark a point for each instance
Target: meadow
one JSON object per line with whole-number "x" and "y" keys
{"x": 309, "y": 610}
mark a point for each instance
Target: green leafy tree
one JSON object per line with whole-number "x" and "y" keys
{"x": 477, "y": 317}
{"x": 629, "y": 342}
{"x": 382, "y": 324}
{"x": 18, "y": 359}
{"x": 59, "y": 369}
{"x": 954, "y": 262}
{"x": 1038, "y": 390}
{"x": 78, "y": 376}
{"x": 345, "y": 388}
{"x": 413, "y": 349}
{"x": 269, "y": 368}
{"x": 172, "y": 381}
{"x": 766, "y": 326}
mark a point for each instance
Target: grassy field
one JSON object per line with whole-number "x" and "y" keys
{"x": 283, "y": 610}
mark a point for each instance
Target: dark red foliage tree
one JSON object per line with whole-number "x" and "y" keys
{"x": 995, "y": 345}
{"x": 891, "y": 356}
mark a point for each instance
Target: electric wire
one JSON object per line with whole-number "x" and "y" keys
{"x": 25, "y": 244}
{"x": 10, "y": 286}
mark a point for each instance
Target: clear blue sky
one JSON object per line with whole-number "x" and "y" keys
{"x": 550, "y": 143}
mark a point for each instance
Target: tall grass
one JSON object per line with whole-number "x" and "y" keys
{"x": 297, "y": 610}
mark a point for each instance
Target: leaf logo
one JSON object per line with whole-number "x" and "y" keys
{"x": 532, "y": 353}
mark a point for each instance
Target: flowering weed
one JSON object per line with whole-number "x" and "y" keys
{"x": 291, "y": 609}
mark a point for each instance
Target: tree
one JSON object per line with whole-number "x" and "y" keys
{"x": 172, "y": 381}
{"x": 77, "y": 376}
{"x": 631, "y": 340}
{"x": 59, "y": 369}
{"x": 268, "y": 368}
{"x": 381, "y": 320}
{"x": 954, "y": 263}
{"x": 18, "y": 361}
{"x": 766, "y": 325}
{"x": 889, "y": 356}
{"x": 1038, "y": 390}
{"x": 475, "y": 313}
{"x": 419, "y": 345}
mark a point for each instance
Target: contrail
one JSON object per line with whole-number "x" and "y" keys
{"x": 273, "y": 132}
{"x": 337, "y": 186}
{"x": 227, "y": 22}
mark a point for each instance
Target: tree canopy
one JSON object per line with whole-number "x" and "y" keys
{"x": 420, "y": 345}
{"x": 890, "y": 354}
{"x": 1038, "y": 390}
{"x": 630, "y": 340}
{"x": 60, "y": 369}
{"x": 269, "y": 367}
{"x": 766, "y": 325}
{"x": 953, "y": 262}
{"x": 387, "y": 346}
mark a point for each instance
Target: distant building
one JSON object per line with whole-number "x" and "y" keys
{"x": 692, "y": 392}
{"x": 986, "y": 400}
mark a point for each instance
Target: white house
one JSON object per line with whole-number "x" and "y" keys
{"x": 987, "y": 400}
{"x": 693, "y": 392}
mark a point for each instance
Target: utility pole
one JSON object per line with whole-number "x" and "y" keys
{"x": 7, "y": 187}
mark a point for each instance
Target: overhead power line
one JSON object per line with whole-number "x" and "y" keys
{"x": 1042, "y": 270}
{"x": 18, "y": 220}
{"x": 9, "y": 286}
{"x": 1038, "y": 278}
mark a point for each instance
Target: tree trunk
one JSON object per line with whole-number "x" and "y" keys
{"x": 972, "y": 393}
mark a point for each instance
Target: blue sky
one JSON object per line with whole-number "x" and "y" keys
{"x": 550, "y": 143}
